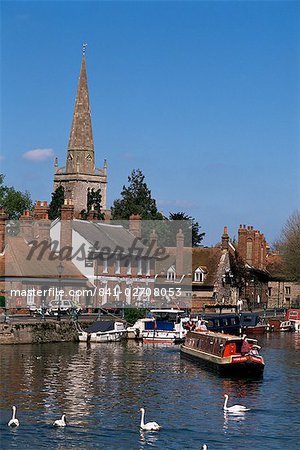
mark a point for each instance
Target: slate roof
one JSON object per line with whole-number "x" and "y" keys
{"x": 111, "y": 236}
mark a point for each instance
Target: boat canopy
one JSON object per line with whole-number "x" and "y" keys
{"x": 101, "y": 326}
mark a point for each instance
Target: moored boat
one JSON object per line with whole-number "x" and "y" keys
{"x": 225, "y": 353}
{"x": 164, "y": 326}
{"x": 103, "y": 331}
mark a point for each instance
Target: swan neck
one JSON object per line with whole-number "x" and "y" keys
{"x": 14, "y": 413}
{"x": 225, "y": 403}
{"x": 142, "y": 418}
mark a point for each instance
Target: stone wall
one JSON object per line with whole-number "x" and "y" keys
{"x": 37, "y": 333}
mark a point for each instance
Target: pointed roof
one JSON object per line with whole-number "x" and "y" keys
{"x": 81, "y": 136}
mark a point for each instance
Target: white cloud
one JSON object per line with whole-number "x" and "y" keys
{"x": 39, "y": 154}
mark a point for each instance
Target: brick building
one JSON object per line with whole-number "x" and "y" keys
{"x": 282, "y": 292}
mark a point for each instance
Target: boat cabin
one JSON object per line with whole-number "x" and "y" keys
{"x": 223, "y": 323}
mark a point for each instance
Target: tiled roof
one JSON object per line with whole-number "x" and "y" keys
{"x": 16, "y": 262}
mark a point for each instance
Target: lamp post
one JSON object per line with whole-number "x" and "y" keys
{"x": 60, "y": 269}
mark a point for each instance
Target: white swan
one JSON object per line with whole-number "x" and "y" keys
{"x": 204, "y": 447}
{"x": 13, "y": 421}
{"x": 234, "y": 408}
{"x": 60, "y": 422}
{"x": 150, "y": 426}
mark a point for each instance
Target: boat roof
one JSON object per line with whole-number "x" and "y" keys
{"x": 101, "y": 326}
{"x": 174, "y": 311}
{"x": 226, "y": 337}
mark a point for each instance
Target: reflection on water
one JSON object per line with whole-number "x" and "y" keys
{"x": 102, "y": 388}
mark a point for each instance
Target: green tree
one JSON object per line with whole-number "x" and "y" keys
{"x": 93, "y": 203}
{"x": 136, "y": 199}
{"x": 289, "y": 247}
{"x": 189, "y": 226}
{"x": 12, "y": 201}
{"x": 56, "y": 203}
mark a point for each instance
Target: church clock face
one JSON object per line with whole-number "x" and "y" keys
{"x": 70, "y": 157}
{"x": 89, "y": 158}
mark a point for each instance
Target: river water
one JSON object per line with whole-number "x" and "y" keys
{"x": 101, "y": 388}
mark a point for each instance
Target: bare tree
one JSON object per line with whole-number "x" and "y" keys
{"x": 289, "y": 246}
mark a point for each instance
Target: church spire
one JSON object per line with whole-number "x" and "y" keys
{"x": 80, "y": 157}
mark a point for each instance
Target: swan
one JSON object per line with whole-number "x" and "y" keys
{"x": 60, "y": 422}
{"x": 204, "y": 447}
{"x": 13, "y": 421}
{"x": 234, "y": 408}
{"x": 150, "y": 426}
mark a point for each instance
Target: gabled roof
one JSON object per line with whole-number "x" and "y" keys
{"x": 110, "y": 236}
{"x": 208, "y": 259}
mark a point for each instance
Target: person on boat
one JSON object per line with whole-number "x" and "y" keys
{"x": 246, "y": 346}
{"x": 201, "y": 325}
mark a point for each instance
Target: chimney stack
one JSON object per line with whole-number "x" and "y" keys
{"x": 66, "y": 217}
{"x": 135, "y": 225}
{"x": 179, "y": 252}
{"x": 225, "y": 239}
{"x": 3, "y": 219}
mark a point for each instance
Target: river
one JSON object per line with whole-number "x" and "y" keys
{"x": 102, "y": 388}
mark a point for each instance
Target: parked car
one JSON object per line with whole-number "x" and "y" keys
{"x": 64, "y": 306}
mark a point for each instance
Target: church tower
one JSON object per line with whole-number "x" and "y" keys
{"x": 80, "y": 173}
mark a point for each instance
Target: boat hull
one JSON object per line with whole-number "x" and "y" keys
{"x": 246, "y": 366}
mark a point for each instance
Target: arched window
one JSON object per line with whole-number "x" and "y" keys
{"x": 249, "y": 251}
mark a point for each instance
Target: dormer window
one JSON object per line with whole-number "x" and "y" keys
{"x": 199, "y": 275}
{"x": 171, "y": 274}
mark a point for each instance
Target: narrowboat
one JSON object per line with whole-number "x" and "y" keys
{"x": 251, "y": 323}
{"x": 224, "y": 353}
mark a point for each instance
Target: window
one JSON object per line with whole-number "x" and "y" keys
{"x": 287, "y": 290}
{"x": 117, "y": 265}
{"x": 249, "y": 251}
{"x": 147, "y": 267}
{"x": 139, "y": 267}
{"x": 88, "y": 262}
{"x": 199, "y": 275}
{"x": 171, "y": 274}
{"x": 129, "y": 266}
{"x": 269, "y": 291}
{"x": 105, "y": 267}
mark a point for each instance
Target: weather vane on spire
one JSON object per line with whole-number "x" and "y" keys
{"x": 84, "y": 46}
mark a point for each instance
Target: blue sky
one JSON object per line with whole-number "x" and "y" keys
{"x": 202, "y": 96}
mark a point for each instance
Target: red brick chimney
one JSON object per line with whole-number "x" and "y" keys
{"x": 41, "y": 210}
{"x": 66, "y": 217}
{"x": 3, "y": 219}
{"x": 225, "y": 239}
{"x": 179, "y": 252}
{"x": 135, "y": 225}
{"x": 26, "y": 226}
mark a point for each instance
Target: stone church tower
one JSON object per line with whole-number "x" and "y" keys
{"x": 80, "y": 173}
